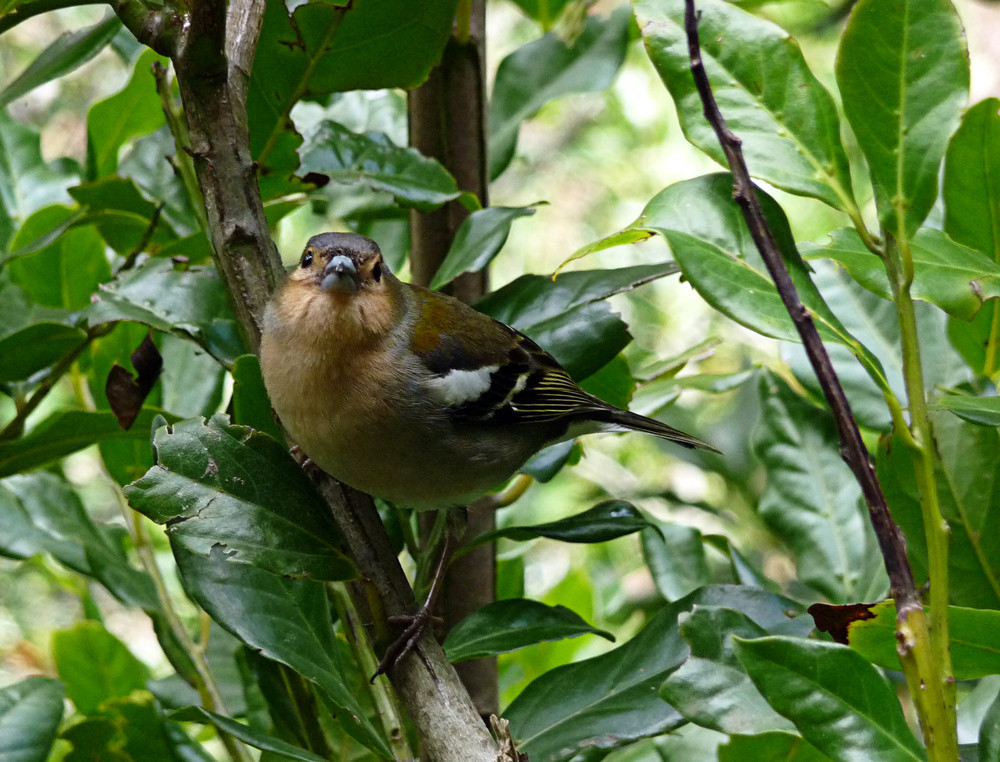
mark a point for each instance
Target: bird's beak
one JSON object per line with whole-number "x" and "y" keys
{"x": 340, "y": 274}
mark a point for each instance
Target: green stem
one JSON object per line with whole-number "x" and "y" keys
{"x": 24, "y": 11}
{"x": 990, "y": 365}
{"x": 16, "y": 425}
{"x": 182, "y": 142}
{"x": 207, "y": 686}
{"x": 386, "y": 705}
{"x": 938, "y": 715}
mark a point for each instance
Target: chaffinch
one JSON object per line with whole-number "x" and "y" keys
{"x": 411, "y": 395}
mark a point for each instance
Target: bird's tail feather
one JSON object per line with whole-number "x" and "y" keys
{"x": 636, "y": 422}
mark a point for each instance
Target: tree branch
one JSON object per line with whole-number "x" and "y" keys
{"x": 212, "y": 57}
{"x": 922, "y": 672}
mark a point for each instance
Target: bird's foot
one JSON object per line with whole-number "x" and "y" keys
{"x": 414, "y": 627}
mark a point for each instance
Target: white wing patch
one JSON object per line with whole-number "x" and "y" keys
{"x": 457, "y": 387}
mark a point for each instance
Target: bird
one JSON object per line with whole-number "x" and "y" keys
{"x": 408, "y": 394}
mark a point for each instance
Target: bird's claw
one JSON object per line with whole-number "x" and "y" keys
{"x": 414, "y": 626}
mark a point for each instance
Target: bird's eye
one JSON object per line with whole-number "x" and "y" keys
{"x": 307, "y": 259}
{"x": 377, "y": 272}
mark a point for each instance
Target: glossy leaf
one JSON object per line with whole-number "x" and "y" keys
{"x": 837, "y": 700}
{"x": 95, "y": 666}
{"x": 550, "y": 68}
{"x": 567, "y": 316}
{"x": 783, "y": 115}
{"x": 710, "y": 241}
{"x": 35, "y": 347}
{"x": 189, "y": 303}
{"x": 784, "y": 746}
{"x": 66, "y": 431}
{"x": 954, "y": 277}
{"x": 675, "y": 556}
{"x": 287, "y": 620}
{"x": 512, "y": 624}
{"x": 479, "y": 238}
{"x": 605, "y": 521}
{"x": 903, "y": 73}
{"x": 989, "y": 732}
{"x": 603, "y": 702}
{"x": 192, "y": 381}
{"x": 133, "y": 111}
{"x": 811, "y": 500}
{"x": 982, "y": 410}
{"x": 30, "y": 713}
{"x": 65, "y": 271}
{"x": 229, "y": 489}
{"x": 972, "y": 180}
{"x": 610, "y": 700}
{"x": 972, "y": 633}
{"x": 39, "y": 513}
{"x": 710, "y": 688}
{"x": 27, "y": 183}
{"x": 968, "y": 472}
{"x": 122, "y": 215}
{"x": 248, "y": 735}
{"x": 328, "y": 47}
{"x": 344, "y": 156}
{"x": 251, "y": 405}
{"x": 69, "y": 51}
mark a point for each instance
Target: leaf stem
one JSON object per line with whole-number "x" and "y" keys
{"x": 16, "y": 425}
{"x": 386, "y": 705}
{"x": 182, "y": 142}
{"x": 899, "y": 266}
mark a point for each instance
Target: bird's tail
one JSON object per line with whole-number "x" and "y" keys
{"x": 629, "y": 420}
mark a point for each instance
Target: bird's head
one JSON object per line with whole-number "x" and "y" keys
{"x": 341, "y": 281}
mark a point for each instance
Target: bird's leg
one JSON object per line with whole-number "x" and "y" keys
{"x": 416, "y": 624}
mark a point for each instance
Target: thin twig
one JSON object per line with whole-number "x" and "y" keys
{"x": 923, "y": 673}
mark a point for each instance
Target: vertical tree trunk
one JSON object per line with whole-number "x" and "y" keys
{"x": 447, "y": 120}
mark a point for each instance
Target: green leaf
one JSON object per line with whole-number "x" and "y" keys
{"x": 972, "y": 633}
{"x": 566, "y": 316}
{"x": 710, "y": 688}
{"x": 125, "y": 729}
{"x": 220, "y": 487}
{"x": 35, "y": 347}
{"x": 287, "y": 620}
{"x": 903, "y": 73}
{"x": 133, "y": 111}
{"x": 711, "y": 243}
{"x": 837, "y": 700}
{"x": 372, "y": 159}
{"x": 69, "y": 51}
{"x": 248, "y": 735}
{"x": 545, "y": 12}
{"x": 783, "y": 115}
{"x": 675, "y": 556}
{"x": 192, "y": 381}
{"x": 479, "y": 238}
{"x": 122, "y": 215}
{"x": 812, "y": 502}
{"x": 784, "y": 746}
{"x": 982, "y": 410}
{"x": 30, "y": 713}
{"x": 971, "y": 189}
{"x": 251, "y": 405}
{"x": 325, "y": 47}
{"x": 967, "y": 473}
{"x": 605, "y": 521}
{"x": 510, "y": 625}
{"x": 66, "y": 431}
{"x": 39, "y": 513}
{"x": 954, "y": 277}
{"x": 27, "y": 183}
{"x": 610, "y": 700}
{"x": 989, "y": 733}
{"x": 95, "y": 666}
{"x": 603, "y": 702}
{"x": 550, "y": 68}
{"x": 190, "y": 303}
{"x": 66, "y": 270}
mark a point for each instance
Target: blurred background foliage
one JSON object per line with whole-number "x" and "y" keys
{"x": 594, "y": 159}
